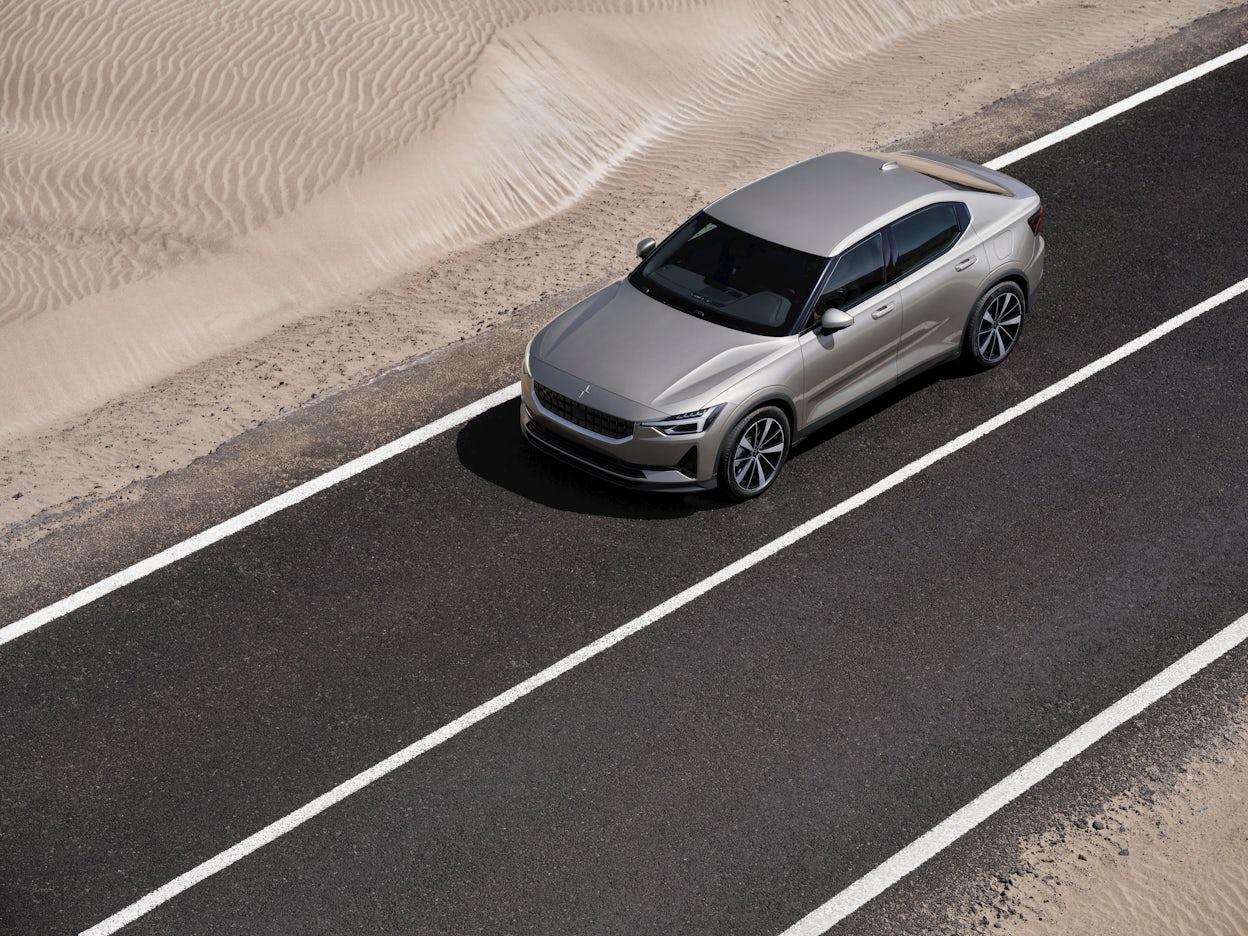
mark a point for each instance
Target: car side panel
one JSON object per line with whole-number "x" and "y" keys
{"x": 936, "y": 300}
{"x": 854, "y": 362}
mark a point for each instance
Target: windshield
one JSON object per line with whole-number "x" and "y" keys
{"x": 717, "y": 272}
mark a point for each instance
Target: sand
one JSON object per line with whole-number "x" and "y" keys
{"x": 1168, "y": 858}
{"x": 213, "y": 214}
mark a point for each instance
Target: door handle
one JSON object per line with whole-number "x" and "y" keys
{"x": 963, "y": 264}
{"x": 883, "y": 310}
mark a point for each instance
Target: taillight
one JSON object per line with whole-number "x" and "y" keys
{"x": 1036, "y": 221}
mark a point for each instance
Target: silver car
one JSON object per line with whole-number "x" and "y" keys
{"x": 779, "y": 308}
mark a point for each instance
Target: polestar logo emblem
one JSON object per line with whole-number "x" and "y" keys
{"x": 583, "y": 392}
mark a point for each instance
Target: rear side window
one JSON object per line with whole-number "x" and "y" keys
{"x": 925, "y": 235}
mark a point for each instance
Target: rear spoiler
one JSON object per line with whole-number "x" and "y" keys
{"x": 955, "y": 171}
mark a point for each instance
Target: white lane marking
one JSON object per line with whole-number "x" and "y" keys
{"x": 995, "y": 798}
{"x": 1113, "y": 110}
{"x": 498, "y": 703}
{"x": 254, "y": 515}
{"x": 242, "y": 521}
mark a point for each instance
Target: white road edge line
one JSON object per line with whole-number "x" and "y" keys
{"x": 995, "y": 798}
{"x": 229, "y": 527}
{"x": 1121, "y": 107}
{"x": 295, "y": 819}
{"x": 254, "y": 515}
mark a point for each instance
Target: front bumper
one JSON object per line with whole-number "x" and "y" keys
{"x": 649, "y": 461}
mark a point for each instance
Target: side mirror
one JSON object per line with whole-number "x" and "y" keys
{"x": 645, "y": 246}
{"x": 834, "y": 320}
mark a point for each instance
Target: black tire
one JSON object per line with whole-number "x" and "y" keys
{"x": 753, "y": 453}
{"x": 994, "y": 325}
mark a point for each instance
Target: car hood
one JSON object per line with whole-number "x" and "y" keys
{"x": 639, "y": 349}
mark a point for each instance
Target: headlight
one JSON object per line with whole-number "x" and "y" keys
{"x": 524, "y": 365}
{"x": 686, "y": 423}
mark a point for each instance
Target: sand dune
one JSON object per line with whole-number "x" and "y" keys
{"x": 178, "y": 177}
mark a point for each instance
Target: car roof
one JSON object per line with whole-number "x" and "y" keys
{"x": 823, "y": 204}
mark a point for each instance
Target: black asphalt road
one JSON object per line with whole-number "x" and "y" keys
{"x": 735, "y": 765}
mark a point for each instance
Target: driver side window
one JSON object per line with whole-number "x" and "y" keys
{"x": 858, "y": 273}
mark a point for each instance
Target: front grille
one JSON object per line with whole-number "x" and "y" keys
{"x": 570, "y": 449}
{"x": 580, "y": 415}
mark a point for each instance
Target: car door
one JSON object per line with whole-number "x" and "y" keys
{"x": 940, "y": 268}
{"x": 847, "y": 365}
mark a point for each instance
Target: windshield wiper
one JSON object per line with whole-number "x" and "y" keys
{"x": 680, "y": 303}
{"x": 692, "y": 309}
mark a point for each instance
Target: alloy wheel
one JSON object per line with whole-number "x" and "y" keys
{"x": 759, "y": 453}
{"x": 999, "y": 327}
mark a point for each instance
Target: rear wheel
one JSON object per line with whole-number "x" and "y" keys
{"x": 754, "y": 453}
{"x": 994, "y": 326}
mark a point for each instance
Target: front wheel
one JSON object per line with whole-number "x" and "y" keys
{"x": 994, "y": 326}
{"x": 754, "y": 453}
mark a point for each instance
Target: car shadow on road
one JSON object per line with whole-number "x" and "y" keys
{"x": 493, "y": 448}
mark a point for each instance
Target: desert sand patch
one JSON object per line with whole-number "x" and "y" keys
{"x": 1169, "y": 858}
